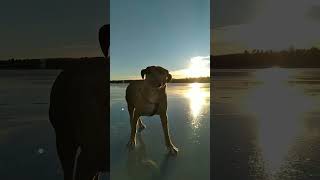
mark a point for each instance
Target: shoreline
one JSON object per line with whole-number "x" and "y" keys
{"x": 186, "y": 80}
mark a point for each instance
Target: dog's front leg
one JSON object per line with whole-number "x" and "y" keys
{"x": 164, "y": 121}
{"x": 134, "y": 120}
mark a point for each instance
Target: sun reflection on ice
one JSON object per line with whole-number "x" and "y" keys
{"x": 197, "y": 96}
{"x": 279, "y": 108}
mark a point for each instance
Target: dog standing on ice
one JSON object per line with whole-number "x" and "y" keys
{"x": 148, "y": 98}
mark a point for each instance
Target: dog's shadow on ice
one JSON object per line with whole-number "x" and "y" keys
{"x": 141, "y": 166}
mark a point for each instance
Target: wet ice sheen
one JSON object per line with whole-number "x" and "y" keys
{"x": 188, "y": 114}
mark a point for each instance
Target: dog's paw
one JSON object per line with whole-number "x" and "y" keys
{"x": 141, "y": 127}
{"x": 131, "y": 144}
{"x": 173, "y": 150}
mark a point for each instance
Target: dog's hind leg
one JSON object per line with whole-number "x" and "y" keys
{"x": 141, "y": 125}
{"x": 130, "y": 110}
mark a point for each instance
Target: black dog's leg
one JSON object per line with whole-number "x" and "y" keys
{"x": 97, "y": 177}
{"x": 86, "y": 166}
{"x": 67, "y": 152}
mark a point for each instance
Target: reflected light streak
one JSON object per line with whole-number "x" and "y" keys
{"x": 279, "y": 109}
{"x": 197, "y": 98}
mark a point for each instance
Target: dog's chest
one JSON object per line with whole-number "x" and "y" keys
{"x": 149, "y": 109}
{"x": 151, "y": 105}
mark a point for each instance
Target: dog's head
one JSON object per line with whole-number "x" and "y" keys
{"x": 156, "y": 76}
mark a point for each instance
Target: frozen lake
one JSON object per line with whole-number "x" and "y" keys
{"x": 27, "y": 140}
{"x": 189, "y": 123}
{"x": 265, "y": 124}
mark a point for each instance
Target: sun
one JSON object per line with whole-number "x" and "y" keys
{"x": 199, "y": 67}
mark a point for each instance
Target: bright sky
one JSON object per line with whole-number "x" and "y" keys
{"x": 45, "y": 29}
{"x": 174, "y": 34}
{"x": 265, "y": 24}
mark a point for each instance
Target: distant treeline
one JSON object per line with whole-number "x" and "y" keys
{"x": 291, "y": 58}
{"x": 53, "y": 63}
{"x": 185, "y": 80}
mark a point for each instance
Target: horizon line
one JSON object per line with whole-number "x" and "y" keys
{"x": 186, "y": 78}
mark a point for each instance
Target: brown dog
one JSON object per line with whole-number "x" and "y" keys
{"x": 148, "y": 98}
{"x": 79, "y": 114}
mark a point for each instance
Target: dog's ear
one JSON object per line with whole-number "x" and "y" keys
{"x": 104, "y": 39}
{"x": 143, "y": 72}
{"x": 169, "y": 77}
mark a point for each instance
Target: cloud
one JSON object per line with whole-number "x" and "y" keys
{"x": 78, "y": 46}
{"x": 275, "y": 25}
{"x": 199, "y": 66}
{"x": 196, "y": 66}
{"x": 222, "y": 41}
{"x": 314, "y": 13}
{"x": 275, "y": 35}
{"x": 230, "y": 12}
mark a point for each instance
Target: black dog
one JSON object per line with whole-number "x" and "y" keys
{"x": 79, "y": 114}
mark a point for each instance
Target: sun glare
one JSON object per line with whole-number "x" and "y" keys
{"x": 198, "y": 67}
{"x": 279, "y": 109}
{"x": 197, "y": 96}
